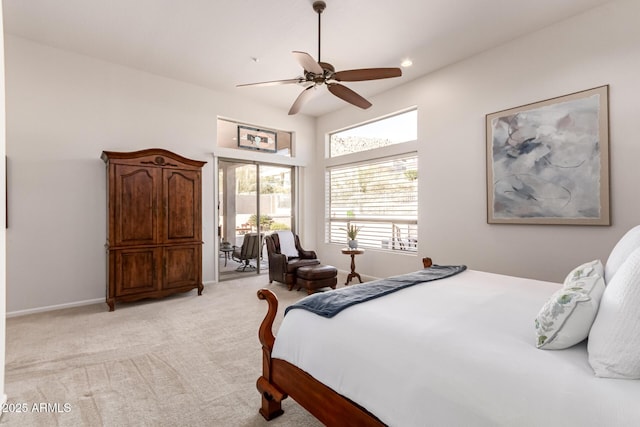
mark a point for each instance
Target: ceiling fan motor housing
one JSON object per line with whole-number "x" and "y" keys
{"x": 319, "y": 6}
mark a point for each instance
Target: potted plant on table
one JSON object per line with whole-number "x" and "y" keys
{"x": 352, "y": 234}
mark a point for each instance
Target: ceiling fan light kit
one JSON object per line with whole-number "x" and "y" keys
{"x": 317, "y": 73}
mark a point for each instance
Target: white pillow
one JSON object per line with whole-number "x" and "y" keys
{"x": 614, "y": 340}
{"x": 620, "y": 252}
{"x": 566, "y": 318}
{"x": 288, "y": 244}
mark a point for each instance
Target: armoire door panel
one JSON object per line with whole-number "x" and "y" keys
{"x": 137, "y": 270}
{"x": 182, "y": 266}
{"x": 182, "y": 202}
{"x": 136, "y": 202}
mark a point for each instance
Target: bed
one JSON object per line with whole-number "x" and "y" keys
{"x": 456, "y": 351}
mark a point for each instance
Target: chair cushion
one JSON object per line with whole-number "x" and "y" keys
{"x": 294, "y": 264}
{"x": 317, "y": 272}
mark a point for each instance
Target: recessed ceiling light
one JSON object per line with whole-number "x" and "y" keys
{"x": 406, "y": 63}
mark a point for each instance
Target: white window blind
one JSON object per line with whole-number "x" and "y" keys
{"x": 381, "y": 197}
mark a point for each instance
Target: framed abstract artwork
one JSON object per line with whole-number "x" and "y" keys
{"x": 257, "y": 139}
{"x": 548, "y": 162}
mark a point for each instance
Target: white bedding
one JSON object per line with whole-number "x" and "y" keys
{"x": 456, "y": 352}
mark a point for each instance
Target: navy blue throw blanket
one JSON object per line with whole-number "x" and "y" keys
{"x": 328, "y": 304}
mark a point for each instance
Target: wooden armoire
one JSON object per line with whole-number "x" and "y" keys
{"x": 154, "y": 224}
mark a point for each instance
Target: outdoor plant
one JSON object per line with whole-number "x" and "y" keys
{"x": 265, "y": 221}
{"x": 276, "y": 226}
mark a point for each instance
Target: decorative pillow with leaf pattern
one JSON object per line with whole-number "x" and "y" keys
{"x": 566, "y": 318}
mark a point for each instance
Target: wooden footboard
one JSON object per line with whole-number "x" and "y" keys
{"x": 281, "y": 379}
{"x": 271, "y": 395}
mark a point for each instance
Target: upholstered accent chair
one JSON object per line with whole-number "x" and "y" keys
{"x": 249, "y": 250}
{"x": 286, "y": 256}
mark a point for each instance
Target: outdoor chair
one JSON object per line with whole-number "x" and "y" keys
{"x": 249, "y": 250}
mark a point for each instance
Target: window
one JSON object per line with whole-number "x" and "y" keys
{"x": 378, "y": 194}
{"x": 395, "y": 129}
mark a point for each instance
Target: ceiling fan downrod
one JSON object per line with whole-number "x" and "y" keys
{"x": 319, "y": 7}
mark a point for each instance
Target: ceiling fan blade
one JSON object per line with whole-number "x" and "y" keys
{"x": 307, "y": 62}
{"x": 366, "y": 74}
{"x": 274, "y": 82}
{"x": 348, "y": 95}
{"x": 301, "y": 100}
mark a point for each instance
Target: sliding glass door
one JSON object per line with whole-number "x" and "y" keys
{"x": 254, "y": 199}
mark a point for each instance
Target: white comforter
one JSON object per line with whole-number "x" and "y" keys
{"x": 456, "y": 352}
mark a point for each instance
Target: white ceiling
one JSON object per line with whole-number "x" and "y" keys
{"x": 211, "y": 43}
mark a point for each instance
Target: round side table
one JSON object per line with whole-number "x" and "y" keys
{"x": 353, "y": 253}
{"x": 227, "y": 254}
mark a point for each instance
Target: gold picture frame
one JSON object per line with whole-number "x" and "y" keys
{"x": 548, "y": 162}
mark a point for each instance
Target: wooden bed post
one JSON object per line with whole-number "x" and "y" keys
{"x": 271, "y": 395}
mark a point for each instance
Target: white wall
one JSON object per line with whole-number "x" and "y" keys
{"x": 63, "y": 110}
{"x": 599, "y": 47}
{"x": 3, "y": 396}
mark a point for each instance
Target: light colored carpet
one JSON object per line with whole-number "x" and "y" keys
{"x": 186, "y": 360}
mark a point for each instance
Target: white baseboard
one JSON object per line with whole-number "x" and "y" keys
{"x": 66, "y": 305}
{"x": 363, "y": 276}
{"x": 54, "y": 307}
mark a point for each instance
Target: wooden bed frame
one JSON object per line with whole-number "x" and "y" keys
{"x": 281, "y": 379}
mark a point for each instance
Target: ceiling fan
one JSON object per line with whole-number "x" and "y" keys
{"x": 319, "y": 73}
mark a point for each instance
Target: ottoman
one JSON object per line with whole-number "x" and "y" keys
{"x": 314, "y": 277}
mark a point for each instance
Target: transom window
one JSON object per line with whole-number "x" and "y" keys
{"x": 391, "y": 130}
